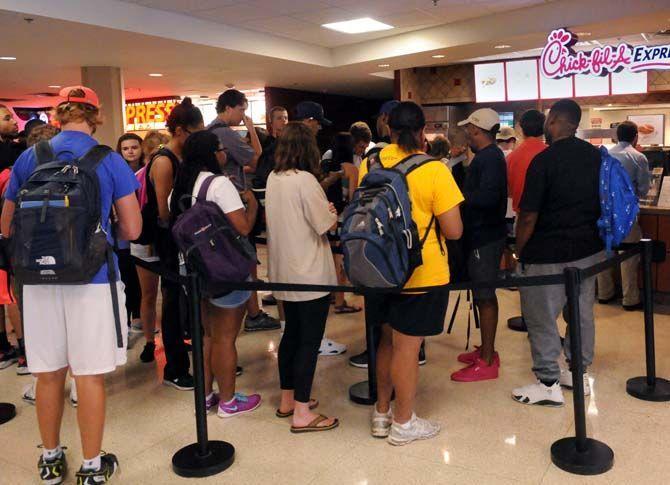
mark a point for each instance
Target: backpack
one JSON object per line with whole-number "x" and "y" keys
{"x": 141, "y": 193}
{"x": 57, "y": 232}
{"x": 149, "y": 209}
{"x": 334, "y": 193}
{"x": 619, "y": 205}
{"x": 380, "y": 241}
{"x": 217, "y": 252}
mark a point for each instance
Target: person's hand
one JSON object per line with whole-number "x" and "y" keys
{"x": 248, "y": 122}
{"x": 249, "y": 198}
{"x": 331, "y": 208}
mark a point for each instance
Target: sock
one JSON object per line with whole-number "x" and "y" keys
{"x": 283, "y": 325}
{"x": 4, "y": 343}
{"x": 49, "y": 455}
{"x": 548, "y": 383}
{"x": 92, "y": 464}
{"x": 231, "y": 400}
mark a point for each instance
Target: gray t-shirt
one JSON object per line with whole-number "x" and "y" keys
{"x": 239, "y": 152}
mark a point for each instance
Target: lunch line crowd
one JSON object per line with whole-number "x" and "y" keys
{"x": 279, "y": 178}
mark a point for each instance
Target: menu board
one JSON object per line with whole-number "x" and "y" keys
{"x": 555, "y": 88}
{"x": 522, "y": 80}
{"x": 588, "y": 85}
{"x": 490, "y": 82}
{"x": 651, "y": 129}
{"x": 626, "y": 82}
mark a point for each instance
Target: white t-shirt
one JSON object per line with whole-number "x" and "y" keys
{"x": 221, "y": 190}
{"x": 297, "y": 216}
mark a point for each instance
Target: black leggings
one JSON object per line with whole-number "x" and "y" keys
{"x": 299, "y": 347}
{"x": 131, "y": 282}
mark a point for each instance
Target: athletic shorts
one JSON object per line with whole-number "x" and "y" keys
{"x": 73, "y": 325}
{"x": 234, "y": 299}
{"x": 417, "y": 314}
{"x": 484, "y": 265}
{"x": 146, "y": 253}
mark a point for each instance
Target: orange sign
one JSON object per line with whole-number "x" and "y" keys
{"x": 148, "y": 115}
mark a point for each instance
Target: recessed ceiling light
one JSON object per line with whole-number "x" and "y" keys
{"x": 583, "y": 34}
{"x": 502, "y": 46}
{"x": 54, "y": 86}
{"x": 155, "y": 74}
{"x": 383, "y": 65}
{"x": 439, "y": 56}
{"x": 358, "y": 26}
{"x": 7, "y": 58}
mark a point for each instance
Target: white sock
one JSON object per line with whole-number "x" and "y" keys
{"x": 231, "y": 400}
{"x": 49, "y": 455}
{"x": 92, "y": 464}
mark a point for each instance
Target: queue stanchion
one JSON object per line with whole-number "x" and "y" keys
{"x": 7, "y": 412}
{"x": 580, "y": 454}
{"x": 365, "y": 392}
{"x": 649, "y": 387}
{"x": 203, "y": 458}
{"x": 518, "y": 324}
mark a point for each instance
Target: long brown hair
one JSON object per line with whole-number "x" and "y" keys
{"x": 297, "y": 150}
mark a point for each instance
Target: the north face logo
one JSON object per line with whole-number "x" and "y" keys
{"x": 46, "y": 261}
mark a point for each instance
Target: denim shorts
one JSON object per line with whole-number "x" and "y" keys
{"x": 233, "y": 299}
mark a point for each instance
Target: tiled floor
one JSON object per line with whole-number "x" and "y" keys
{"x": 487, "y": 438}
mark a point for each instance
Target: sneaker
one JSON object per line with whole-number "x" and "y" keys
{"x": 28, "y": 395}
{"x": 634, "y": 308}
{"x": 211, "y": 403}
{"x": 540, "y": 395}
{"x": 417, "y": 429}
{"x": 360, "y": 360}
{"x": 73, "y": 394}
{"x": 269, "y": 300}
{"x": 480, "y": 370}
{"x": 381, "y": 423}
{"x": 22, "y": 366}
{"x": 53, "y": 472}
{"x": 8, "y": 357}
{"x": 422, "y": 353}
{"x": 183, "y": 383}
{"x": 240, "y": 404}
{"x": 471, "y": 357}
{"x": 147, "y": 354}
{"x": 238, "y": 371}
{"x": 566, "y": 381}
{"x": 261, "y": 322}
{"x": 108, "y": 466}
{"x": 136, "y": 327}
{"x": 330, "y": 347}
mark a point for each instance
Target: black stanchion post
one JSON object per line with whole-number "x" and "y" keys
{"x": 7, "y": 412}
{"x": 204, "y": 458}
{"x": 580, "y": 455}
{"x": 649, "y": 387}
{"x": 365, "y": 392}
{"x": 518, "y": 324}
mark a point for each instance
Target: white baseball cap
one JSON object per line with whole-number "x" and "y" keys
{"x": 484, "y": 118}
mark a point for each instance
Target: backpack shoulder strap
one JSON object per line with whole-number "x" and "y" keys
{"x": 43, "y": 152}
{"x": 373, "y": 161}
{"x": 93, "y": 157}
{"x": 411, "y": 163}
{"x": 202, "y": 193}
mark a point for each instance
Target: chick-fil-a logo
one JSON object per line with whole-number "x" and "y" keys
{"x": 559, "y": 59}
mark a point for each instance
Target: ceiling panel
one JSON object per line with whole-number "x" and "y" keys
{"x": 283, "y": 25}
{"x": 324, "y": 16}
{"x": 289, "y": 7}
{"x": 236, "y": 14}
{"x": 184, "y": 6}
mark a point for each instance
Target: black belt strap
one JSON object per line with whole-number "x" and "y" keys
{"x": 111, "y": 274}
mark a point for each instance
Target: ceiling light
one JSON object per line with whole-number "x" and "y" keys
{"x": 54, "y": 86}
{"x": 7, "y": 58}
{"x": 502, "y": 46}
{"x": 358, "y": 26}
{"x": 155, "y": 74}
{"x": 383, "y": 65}
{"x": 583, "y": 34}
{"x": 439, "y": 56}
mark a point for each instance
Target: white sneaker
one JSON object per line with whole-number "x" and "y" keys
{"x": 29, "y": 393}
{"x": 73, "y": 394}
{"x": 330, "y": 347}
{"x": 415, "y": 429}
{"x": 539, "y": 394}
{"x": 380, "y": 423}
{"x": 566, "y": 381}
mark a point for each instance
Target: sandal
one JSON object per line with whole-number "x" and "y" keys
{"x": 346, "y": 308}
{"x": 313, "y": 404}
{"x": 314, "y": 425}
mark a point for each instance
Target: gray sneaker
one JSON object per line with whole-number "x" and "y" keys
{"x": 261, "y": 322}
{"x": 380, "y": 423}
{"x": 419, "y": 429}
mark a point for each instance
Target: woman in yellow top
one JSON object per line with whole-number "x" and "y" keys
{"x": 407, "y": 318}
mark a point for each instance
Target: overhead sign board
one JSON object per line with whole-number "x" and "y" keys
{"x": 148, "y": 115}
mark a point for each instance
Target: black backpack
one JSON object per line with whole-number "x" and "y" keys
{"x": 57, "y": 232}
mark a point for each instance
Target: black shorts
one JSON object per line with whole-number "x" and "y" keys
{"x": 484, "y": 265}
{"x": 418, "y": 314}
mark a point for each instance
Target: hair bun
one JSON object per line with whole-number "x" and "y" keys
{"x": 187, "y": 102}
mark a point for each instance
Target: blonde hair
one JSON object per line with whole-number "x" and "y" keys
{"x": 71, "y": 112}
{"x": 153, "y": 141}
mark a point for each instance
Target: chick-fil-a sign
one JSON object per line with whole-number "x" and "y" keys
{"x": 559, "y": 59}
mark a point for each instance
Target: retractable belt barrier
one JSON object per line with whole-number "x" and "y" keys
{"x": 579, "y": 454}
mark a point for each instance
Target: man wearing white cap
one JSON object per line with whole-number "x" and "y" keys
{"x": 485, "y": 192}
{"x": 506, "y": 139}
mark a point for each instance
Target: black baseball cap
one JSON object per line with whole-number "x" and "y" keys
{"x": 309, "y": 109}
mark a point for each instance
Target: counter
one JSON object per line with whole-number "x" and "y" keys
{"x": 655, "y": 224}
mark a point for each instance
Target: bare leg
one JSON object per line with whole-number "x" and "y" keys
{"x": 488, "y": 319}
{"x": 90, "y": 413}
{"x": 49, "y": 393}
{"x": 405, "y": 374}
{"x": 15, "y": 319}
{"x": 384, "y": 383}
{"x": 225, "y": 326}
{"x": 149, "y": 288}
{"x": 207, "y": 348}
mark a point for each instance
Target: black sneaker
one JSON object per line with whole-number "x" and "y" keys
{"x": 147, "y": 354}
{"x": 22, "y": 366}
{"x": 634, "y": 308}
{"x": 8, "y": 357}
{"x": 238, "y": 371}
{"x": 360, "y": 360}
{"x": 52, "y": 472}
{"x": 108, "y": 466}
{"x": 269, "y": 300}
{"x": 422, "y": 353}
{"x": 261, "y": 322}
{"x": 183, "y": 383}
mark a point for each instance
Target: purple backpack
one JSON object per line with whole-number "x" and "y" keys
{"x": 210, "y": 245}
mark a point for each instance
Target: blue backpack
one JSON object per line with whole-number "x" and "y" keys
{"x": 619, "y": 205}
{"x": 380, "y": 241}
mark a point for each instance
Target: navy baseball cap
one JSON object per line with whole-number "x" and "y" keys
{"x": 388, "y": 106}
{"x": 309, "y": 109}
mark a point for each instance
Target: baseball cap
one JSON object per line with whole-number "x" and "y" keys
{"x": 309, "y": 109}
{"x": 484, "y": 118}
{"x": 89, "y": 96}
{"x": 506, "y": 133}
{"x": 388, "y": 106}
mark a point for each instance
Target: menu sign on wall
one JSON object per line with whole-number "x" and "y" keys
{"x": 490, "y": 82}
{"x": 148, "y": 115}
{"x": 522, "y": 80}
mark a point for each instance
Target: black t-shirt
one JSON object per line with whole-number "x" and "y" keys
{"x": 562, "y": 186}
{"x": 485, "y": 192}
{"x": 9, "y": 152}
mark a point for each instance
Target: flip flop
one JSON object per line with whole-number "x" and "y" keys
{"x": 313, "y": 404}
{"x": 341, "y": 309}
{"x": 314, "y": 425}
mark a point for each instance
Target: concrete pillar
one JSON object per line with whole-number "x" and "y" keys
{"x": 107, "y": 82}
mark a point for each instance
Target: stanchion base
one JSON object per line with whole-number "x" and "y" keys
{"x": 517, "y": 324}
{"x": 360, "y": 394}
{"x": 187, "y": 462}
{"x": 596, "y": 459}
{"x": 638, "y": 387}
{"x": 7, "y": 412}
